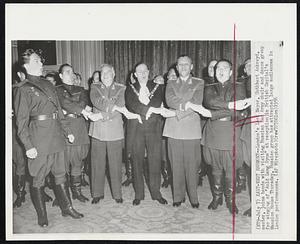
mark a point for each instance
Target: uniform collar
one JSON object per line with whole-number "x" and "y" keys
{"x": 33, "y": 78}
{"x": 187, "y": 79}
{"x": 226, "y": 83}
{"x": 112, "y": 86}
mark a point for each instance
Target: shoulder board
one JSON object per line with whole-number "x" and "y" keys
{"x": 21, "y": 83}
{"x": 172, "y": 80}
{"x": 239, "y": 82}
{"x": 196, "y": 78}
{"x": 211, "y": 84}
{"x": 119, "y": 84}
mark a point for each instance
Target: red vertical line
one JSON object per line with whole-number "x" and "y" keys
{"x": 234, "y": 131}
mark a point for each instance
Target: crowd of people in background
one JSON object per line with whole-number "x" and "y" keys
{"x": 174, "y": 127}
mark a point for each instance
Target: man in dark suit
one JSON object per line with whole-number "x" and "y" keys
{"x": 217, "y": 138}
{"x": 145, "y": 98}
{"x": 74, "y": 102}
{"x": 41, "y": 129}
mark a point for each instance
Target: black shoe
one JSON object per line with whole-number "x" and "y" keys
{"x": 39, "y": 205}
{"x": 176, "y": 204}
{"x": 215, "y": 203}
{"x": 97, "y": 199}
{"x": 247, "y": 212}
{"x": 195, "y": 205}
{"x": 120, "y": 200}
{"x": 162, "y": 200}
{"x": 64, "y": 201}
{"x": 136, "y": 202}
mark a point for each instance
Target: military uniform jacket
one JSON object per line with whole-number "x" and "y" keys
{"x": 219, "y": 134}
{"x": 73, "y": 100}
{"x": 209, "y": 80}
{"x": 186, "y": 125}
{"x": 37, "y": 96}
{"x": 103, "y": 99}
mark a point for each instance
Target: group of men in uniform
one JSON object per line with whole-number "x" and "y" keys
{"x": 51, "y": 126}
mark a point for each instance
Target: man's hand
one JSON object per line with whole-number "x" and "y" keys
{"x": 95, "y": 116}
{"x": 71, "y": 138}
{"x": 188, "y": 105}
{"x": 167, "y": 113}
{"x": 204, "y": 112}
{"x": 85, "y": 114}
{"x": 200, "y": 109}
{"x": 88, "y": 108}
{"x": 240, "y": 104}
{"x": 31, "y": 153}
{"x": 130, "y": 115}
{"x": 152, "y": 110}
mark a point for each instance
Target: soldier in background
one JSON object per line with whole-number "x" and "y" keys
{"x": 74, "y": 102}
{"x": 217, "y": 134}
{"x": 51, "y": 78}
{"x": 41, "y": 129}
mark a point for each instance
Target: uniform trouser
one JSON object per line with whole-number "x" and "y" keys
{"x": 40, "y": 167}
{"x": 19, "y": 159}
{"x": 74, "y": 156}
{"x": 113, "y": 150}
{"x": 185, "y": 158}
{"x": 222, "y": 160}
{"x": 148, "y": 137}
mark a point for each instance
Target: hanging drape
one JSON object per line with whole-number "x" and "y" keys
{"x": 160, "y": 55}
{"x": 84, "y": 56}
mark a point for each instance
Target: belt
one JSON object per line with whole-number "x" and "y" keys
{"x": 73, "y": 115}
{"x": 226, "y": 119}
{"x": 44, "y": 116}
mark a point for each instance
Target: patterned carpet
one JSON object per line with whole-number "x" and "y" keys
{"x": 148, "y": 217}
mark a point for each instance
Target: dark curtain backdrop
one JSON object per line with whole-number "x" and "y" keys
{"x": 160, "y": 55}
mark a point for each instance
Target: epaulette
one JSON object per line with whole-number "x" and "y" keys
{"x": 196, "y": 78}
{"x": 172, "y": 80}
{"x": 21, "y": 83}
{"x": 211, "y": 84}
{"x": 240, "y": 82}
{"x": 119, "y": 84}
